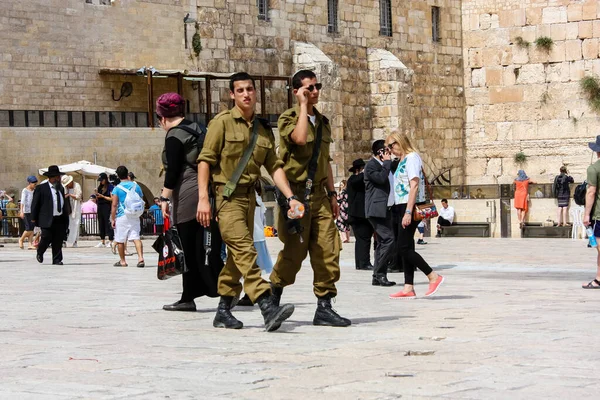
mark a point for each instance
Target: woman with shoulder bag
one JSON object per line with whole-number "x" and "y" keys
{"x": 409, "y": 189}
{"x": 183, "y": 142}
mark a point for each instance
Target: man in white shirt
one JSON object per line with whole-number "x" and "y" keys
{"x": 446, "y": 217}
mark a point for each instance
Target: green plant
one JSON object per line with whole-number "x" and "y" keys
{"x": 196, "y": 41}
{"x": 522, "y": 43}
{"x": 520, "y": 157}
{"x": 545, "y": 97}
{"x": 591, "y": 86}
{"x": 544, "y": 43}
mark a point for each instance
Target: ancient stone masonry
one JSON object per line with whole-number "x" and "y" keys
{"x": 51, "y": 52}
{"x": 524, "y": 98}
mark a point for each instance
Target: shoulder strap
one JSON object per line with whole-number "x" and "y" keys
{"x": 233, "y": 181}
{"x": 189, "y": 130}
{"x": 314, "y": 160}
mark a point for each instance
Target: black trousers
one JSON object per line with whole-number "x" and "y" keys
{"x": 104, "y": 225}
{"x": 405, "y": 248}
{"x": 384, "y": 251}
{"x": 200, "y": 280}
{"x": 441, "y": 221}
{"x": 55, "y": 236}
{"x": 363, "y": 232}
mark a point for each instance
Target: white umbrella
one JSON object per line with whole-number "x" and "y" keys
{"x": 82, "y": 167}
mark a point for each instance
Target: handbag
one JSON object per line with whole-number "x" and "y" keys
{"x": 426, "y": 210}
{"x": 171, "y": 260}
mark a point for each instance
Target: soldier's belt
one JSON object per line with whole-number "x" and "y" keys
{"x": 239, "y": 190}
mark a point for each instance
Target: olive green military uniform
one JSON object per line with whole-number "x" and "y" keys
{"x": 320, "y": 237}
{"x": 227, "y": 137}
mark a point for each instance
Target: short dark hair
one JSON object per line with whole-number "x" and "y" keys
{"x": 300, "y": 75}
{"x": 240, "y": 76}
{"x": 378, "y": 145}
{"x": 444, "y": 200}
{"x": 122, "y": 172}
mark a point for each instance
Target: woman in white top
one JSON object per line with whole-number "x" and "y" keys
{"x": 25, "y": 212}
{"x": 409, "y": 189}
{"x": 74, "y": 194}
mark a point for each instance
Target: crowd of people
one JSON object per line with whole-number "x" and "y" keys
{"x": 212, "y": 186}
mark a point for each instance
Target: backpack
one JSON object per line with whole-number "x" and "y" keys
{"x": 134, "y": 204}
{"x": 579, "y": 194}
{"x": 199, "y": 136}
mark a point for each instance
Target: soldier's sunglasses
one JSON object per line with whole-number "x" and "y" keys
{"x": 317, "y": 86}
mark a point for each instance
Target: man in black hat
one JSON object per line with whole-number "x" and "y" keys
{"x": 592, "y": 214}
{"x": 363, "y": 231}
{"x": 50, "y": 212}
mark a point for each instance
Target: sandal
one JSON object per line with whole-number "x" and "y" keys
{"x": 141, "y": 264}
{"x": 591, "y": 285}
{"x": 118, "y": 264}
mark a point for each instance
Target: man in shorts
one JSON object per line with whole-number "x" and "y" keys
{"x": 126, "y": 228}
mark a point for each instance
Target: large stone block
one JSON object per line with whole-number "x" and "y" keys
{"x": 506, "y": 95}
{"x": 477, "y": 77}
{"x": 573, "y": 50}
{"x": 590, "y": 48}
{"x": 493, "y": 76}
{"x": 531, "y": 73}
{"x": 554, "y": 15}
{"x": 571, "y": 30}
{"x": 574, "y": 12}
{"x": 586, "y": 29}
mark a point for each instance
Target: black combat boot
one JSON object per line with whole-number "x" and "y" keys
{"x": 277, "y": 293}
{"x": 224, "y": 318}
{"x": 326, "y": 315}
{"x": 273, "y": 314}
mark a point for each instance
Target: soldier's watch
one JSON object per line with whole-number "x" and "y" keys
{"x": 292, "y": 197}
{"x": 331, "y": 193}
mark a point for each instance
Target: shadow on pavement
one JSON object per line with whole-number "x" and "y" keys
{"x": 455, "y": 297}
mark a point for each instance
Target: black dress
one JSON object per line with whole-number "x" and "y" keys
{"x": 182, "y": 179}
{"x": 562, "y": 189}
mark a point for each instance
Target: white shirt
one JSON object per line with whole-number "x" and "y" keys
{"x": 447, "y": 213}
{"x": 55, "y": 211}
{"x": 313, "y": 119}
{"x": 391, "y": 199}
{"x": 259, "y": 220}
{"x": 26, "y": 199}
{"x": 408, "y": 169}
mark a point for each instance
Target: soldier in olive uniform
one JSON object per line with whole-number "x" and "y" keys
{"x": 228, "y": 136}
{"x": 299, "y": 128}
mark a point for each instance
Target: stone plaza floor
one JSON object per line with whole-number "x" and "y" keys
{"x": 511, "y": 321}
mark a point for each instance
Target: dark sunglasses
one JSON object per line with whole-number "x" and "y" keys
{"x": 318, "y": 86}
{"x": 391, "y": 145}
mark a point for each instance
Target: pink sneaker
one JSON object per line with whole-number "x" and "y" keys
{"x": 402, "y": 295}
{"x": 433, "y": 286}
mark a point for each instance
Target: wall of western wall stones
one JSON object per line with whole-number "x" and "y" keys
{"x": 526, "y": 99}
{"x": 51, "y": 52}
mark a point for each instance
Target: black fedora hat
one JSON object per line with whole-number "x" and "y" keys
{"x": 356, "y": 164}
{"x": 595, "y": 146}
{"x": 53, "y": 171}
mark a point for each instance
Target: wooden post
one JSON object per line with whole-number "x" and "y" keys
{"x": 180, "y": 84}
{"x": 208, "y": 99}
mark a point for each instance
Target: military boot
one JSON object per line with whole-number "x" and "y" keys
{"x": 326, "y": 315}
{"x": 224, "y": 318}
{"x": 273, "y": 314}
{"x": 277, "y": 293}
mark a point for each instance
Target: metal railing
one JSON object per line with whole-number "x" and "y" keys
{"x": 14, "y": 226}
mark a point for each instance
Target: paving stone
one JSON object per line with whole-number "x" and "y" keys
{"x": 512, "y": 316}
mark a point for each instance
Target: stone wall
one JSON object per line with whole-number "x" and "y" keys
{"x": 522, "y": 98}
{"x": 51, "y": 51}
{"x": 25, "y": 150}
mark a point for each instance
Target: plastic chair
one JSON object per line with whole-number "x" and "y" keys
{"x": 576, "y": 214}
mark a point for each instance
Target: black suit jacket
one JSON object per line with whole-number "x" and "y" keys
{"x": 42, "y": 206}
{"x": 377, "y": 188}
{"x": 356, "y": 196}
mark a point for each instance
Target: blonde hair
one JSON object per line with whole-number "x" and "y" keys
{"x": 402, "y": 140}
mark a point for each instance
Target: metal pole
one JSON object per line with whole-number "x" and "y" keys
{"x": 208, "y": 100}
{"x": 289, "y": 83}
{"x": 263, "y": 100}
{"x": 150, "y": 102}
{"x": 180, "y": 84}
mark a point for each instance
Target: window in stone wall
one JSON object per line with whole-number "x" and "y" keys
{"x": 332, "y": 16}
{"x": 385, "y": 17}
{"x": 263, "y": 9}
{"x": 435, "y": 24}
